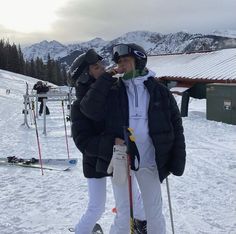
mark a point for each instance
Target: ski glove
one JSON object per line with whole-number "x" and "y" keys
{"x": 118, "y": 165}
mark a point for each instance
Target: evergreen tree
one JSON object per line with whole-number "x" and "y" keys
{"x": 21, "y": 61}
{"x": 7, "y": 54}
{"x": 41, "y": 69}
{"x": 32, "y": 69}
{"x": 49, "y": 69}
{"x": 12, "y": 59}
{"x": 58, "y": 73}
{"x": 27, "y": 68}
{"x": 64, "y": 75}
{"x": 2, "y": 54}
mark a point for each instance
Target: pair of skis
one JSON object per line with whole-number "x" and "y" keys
{"x": 48, "y": 164}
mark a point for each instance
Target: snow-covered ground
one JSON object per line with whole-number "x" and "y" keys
{"x": 203, "y": 199}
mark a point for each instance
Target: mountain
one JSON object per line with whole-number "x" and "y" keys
{"x": 43, "y": 48}
{"x": 225, "y": 33}
{"x": 77, "y": 49}
{"x": 154, "y": 43}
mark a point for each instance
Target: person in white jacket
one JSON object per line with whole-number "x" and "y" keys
{"x": 147, "y": 175}
{"x": 142, "y": 103}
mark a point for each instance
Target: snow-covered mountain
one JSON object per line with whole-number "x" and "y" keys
{"x": 154, "y": 43}
{"x": 44, "y": 48}
{"x": 225, "y": 33}
{"x": 58, "y": 50}
{"x": 203, "y": 199}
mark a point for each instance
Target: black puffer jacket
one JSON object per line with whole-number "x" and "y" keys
{"x": 41, "y": 89}
{"x": 102, "y": 102}
{"x": 90, "y": 138}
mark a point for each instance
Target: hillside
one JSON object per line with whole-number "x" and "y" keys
{"x": 203, "y": 199}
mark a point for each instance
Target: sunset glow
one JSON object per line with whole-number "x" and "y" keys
{"x": 27, "y": 16}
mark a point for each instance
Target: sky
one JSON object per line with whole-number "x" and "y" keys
{"x": 68, "y": 21}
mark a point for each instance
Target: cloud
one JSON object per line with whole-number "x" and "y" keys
{"x": 23, "y": 38}
{"x": 81, "y": 20}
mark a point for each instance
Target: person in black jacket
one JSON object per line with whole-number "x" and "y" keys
{"x": 139, "y": 101}
{"x": 41, "y": 88}
{"x": 92, "y": 140}
{"x": 87, "y": 137}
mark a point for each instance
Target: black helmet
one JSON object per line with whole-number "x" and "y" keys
{"x": 39, "y": 82}
{"x": 134, "y": 50}
{"x": 79, "y": 67}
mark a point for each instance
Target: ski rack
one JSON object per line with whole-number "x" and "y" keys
{"x": 26, "y": 103}
{"x": 49, "y": 97}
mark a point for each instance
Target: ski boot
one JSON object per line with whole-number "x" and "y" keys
{"x": 11, "y": 159}
{"x": 140, "y": 226}
{"x": 27, "y": 162}
{"x": 14, "y": 159}
{"x": 34, "y": 160}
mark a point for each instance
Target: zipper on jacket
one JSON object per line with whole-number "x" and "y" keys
{"x": 135, "y": 93}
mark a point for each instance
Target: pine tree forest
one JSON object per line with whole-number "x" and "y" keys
{"x": 11, "y": 59}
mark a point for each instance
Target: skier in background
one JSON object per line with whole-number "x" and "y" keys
{"x": 95, "y": 144}
{"x": 139, "y": 101}
{"x": 41, "y": 88}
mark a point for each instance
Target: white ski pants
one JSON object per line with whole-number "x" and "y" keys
{"x": 96, "y": 205}
{"x": 149, "y": 184}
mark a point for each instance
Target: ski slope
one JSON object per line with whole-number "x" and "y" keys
{"x": 203, "y": 199}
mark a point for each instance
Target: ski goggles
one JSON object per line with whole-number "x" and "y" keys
{"x": 122, "y": 50}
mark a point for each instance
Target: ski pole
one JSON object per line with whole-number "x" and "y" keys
{"x": 63, "y": 111}
{"x": 129, "y": 181}
{"x": 37, "y": 136}
{"x": 170, "y": 207}
{"x": 130, "y": 195}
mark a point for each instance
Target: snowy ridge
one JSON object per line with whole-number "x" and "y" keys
{"x": 95, "y": 43}
{"x": 225, "y": 33}
{"x": 203, "y": 199}
{"x": 154, "y": 43}
{"x": 43, "y": 49}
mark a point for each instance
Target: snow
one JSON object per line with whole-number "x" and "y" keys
{"x": 215, "y": 65}
{"x": 42, "y": 49}
{"x": 178, "y": 89}
{"x": 203, "y": 199}
{"x": 225, "y": 33}
{"x": 154, "y": 43}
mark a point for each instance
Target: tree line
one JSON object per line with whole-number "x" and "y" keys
{"x": 11, "y": 59}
